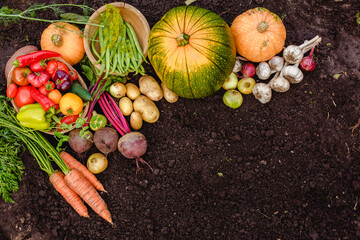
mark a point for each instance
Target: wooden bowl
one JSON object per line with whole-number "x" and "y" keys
{"x": 131, "y": 15}
{"x": 80, "y": 79}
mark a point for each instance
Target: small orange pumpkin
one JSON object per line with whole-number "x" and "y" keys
{"x": 65, "y": 39}
{"x": 259, "y": 34}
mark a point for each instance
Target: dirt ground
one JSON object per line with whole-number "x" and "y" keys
{"x": 285, "y": 170}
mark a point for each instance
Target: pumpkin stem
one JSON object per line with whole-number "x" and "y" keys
{"x": 182, "y": 39}
{"x": 262, "y": 26}
{"x": 57, "y": 40}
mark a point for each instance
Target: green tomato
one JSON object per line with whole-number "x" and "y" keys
{"x": 233, "y": 98}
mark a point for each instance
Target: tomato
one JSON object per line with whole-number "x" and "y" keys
{"x": 23, "y": 96}
{"x": 46, "y": 88}
{"x": 11, "y": 90}
{"x": 71, "y": 104}
{"x": 39, "y": 78}
{"x": 38, "y": 66}
{"x": 53, "y": 66}
{"x": 73, "y": 75}
{"x": 20, "y": 74}
{"x": 55, "y": 96}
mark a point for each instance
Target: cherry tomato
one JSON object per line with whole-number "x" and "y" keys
{"x": 23, "y": 96}
{"x": 20, "y": 74}
{"x": 11, "y": 90}
{"x": 73, "y": 75}
{"x": 46, "y": 88}
{"x": 38, "y": 66}
{"x": 53, "y": 66}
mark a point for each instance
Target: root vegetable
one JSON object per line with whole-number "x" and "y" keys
{"x": 117, "y": 90}
{"x": 72, "y": 163}
{"x": 105, "y": 139}
{"x": 169, "y": 95}
{"x": 248, "y": 70}
{"x": 231, "y": 82}
{"x": 126, "y": 106}
{"x": 262, "y": 92}
{"x": 292, "y": 73}
{"x": 136, "y": 120}
{"x": 147, "y": 108}
{"x": 133, "y": 145}
{"x": 233, "y": 98}
{"x": 132, "y": 91}
{"x": 308, "y": 63}
{"x": 97, "y": 163}
{"x": 263, "y": 71}
{"x": 279, "y": 84}
{"x": 150, "y": 88}
{"x": 294, "y": 54}
{"x": 276, "y": 63}
{"x": 80, "y": 143}
{"x": 246, "y": 85}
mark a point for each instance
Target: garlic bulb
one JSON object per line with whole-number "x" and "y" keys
{"x": 237, "y": 66}
{"x": 263, "y": 71}
{"x": 262, "y": 92}
{"x": 292, "y": 73}
{"x": 279, "y": 84}
{"x": 276, "y": 63}
{"x": 293, "y": 54}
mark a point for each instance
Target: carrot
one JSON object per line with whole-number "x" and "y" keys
{"x": 79, "y": 184}
{"x": 58, "y": 181}
{"x": 72, "y": 163}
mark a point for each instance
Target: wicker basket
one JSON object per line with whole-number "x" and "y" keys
{"x": 81, "y": 81}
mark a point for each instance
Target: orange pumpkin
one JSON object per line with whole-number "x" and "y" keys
{"x": 259, "y": 34}
{"x": 65, "y": 39}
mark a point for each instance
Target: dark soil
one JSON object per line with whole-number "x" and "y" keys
{"x": 290, "y": 168}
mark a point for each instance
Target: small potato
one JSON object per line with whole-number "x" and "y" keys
{"x": 118, "y": 90}
{"x": 136, "y": 120}
{"x": 126, "y": 106}
{"x": 150, "y": 88}
{"x": 169, "y": 95}
{"x": 147, "y": 108}
{"x": 132, "y": 91}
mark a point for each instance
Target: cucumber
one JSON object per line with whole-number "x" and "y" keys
{"x": 84, "y": 94}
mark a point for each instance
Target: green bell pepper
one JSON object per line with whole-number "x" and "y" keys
{"x": 33, "y": 116}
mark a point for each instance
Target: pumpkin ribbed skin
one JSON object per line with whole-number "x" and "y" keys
{"x": 192, "y": 51}
{"x": 66, "y": 39}
{"x": 259, "y": 34}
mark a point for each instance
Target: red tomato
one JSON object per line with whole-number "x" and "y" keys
{"x": 38, "y": 66}
{"x": 53, "y": 66}
{"x": 43, "y": 90}
{"x": 11, "y": 90}
{"x": 73, "y": 75}
{"x": 46, "y": 88}
{"x": 23, "y": 96}
{"x": 20, "y": 74}
{"x": 39, "y": 78}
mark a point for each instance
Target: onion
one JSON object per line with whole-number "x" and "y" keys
{"x": 308, "y": 63}
{"x": 248, "y": 70}
{"x": 133, "y": 145}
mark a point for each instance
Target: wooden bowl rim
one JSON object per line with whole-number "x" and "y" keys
{"x": 97, "y": 13}
{"x": 80, "y": 79}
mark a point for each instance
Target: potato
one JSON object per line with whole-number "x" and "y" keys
{"x": 126, "y": 106}
{"x": 136, "y": 120}
{"x": 150, "y": 88}
{"x": 118, "y": 90}
{"x": 132, "y": 91}
{"x": 147, "y": 108}
{"x": 19, "y": 52}
{"x": 169, "y": 95}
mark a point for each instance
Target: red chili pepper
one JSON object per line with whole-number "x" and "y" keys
{"x": 27, "y": 59}
{"x": 68, "y": 120}
{"x": 44, "y": 101}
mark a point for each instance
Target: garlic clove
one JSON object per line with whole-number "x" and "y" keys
{"x": 263, "y": 71}
{"x": 276, "y": 63}
{"x": 262, "y": 92}
{"x": 279, "y": 84}
{"x": 237, "y": 66}
{"x": 293, "y": 54}
{"x": 293, "y": 74}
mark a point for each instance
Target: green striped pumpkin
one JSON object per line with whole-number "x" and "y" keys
{"x": 192, "y": 51}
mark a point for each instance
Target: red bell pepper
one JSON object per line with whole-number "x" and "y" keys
{"x": 27, "y": 59}
{"x": 68, "y": 120}
{"x": 44, "y": 101}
